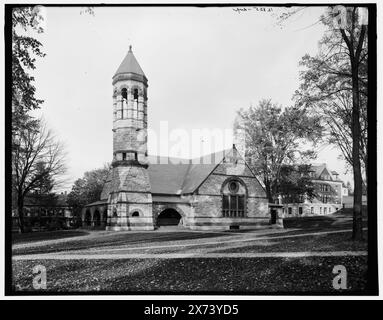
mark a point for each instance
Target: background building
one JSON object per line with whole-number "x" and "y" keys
{"x": 46, "y": 212}
{"x": 329, "y": 193}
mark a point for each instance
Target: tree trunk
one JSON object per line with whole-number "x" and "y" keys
{"x": 268, "y": 191}
{"x": 20, "y": 212}
{"x": 357, "y": 232}
{"x": 357, "y": 226}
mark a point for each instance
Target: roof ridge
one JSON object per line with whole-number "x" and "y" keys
{"x": 190, "y": 160}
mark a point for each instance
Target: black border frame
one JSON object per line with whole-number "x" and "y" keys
{"x": 372, "y": 276}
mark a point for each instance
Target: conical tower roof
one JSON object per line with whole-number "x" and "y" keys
{"x": 130, "y": 65}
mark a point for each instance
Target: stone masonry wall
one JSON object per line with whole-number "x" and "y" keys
{"x": 206, "y": 204}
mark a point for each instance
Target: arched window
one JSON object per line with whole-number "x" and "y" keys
{"x": 114, "y": 212}
{"x": 135, "y": 214}
{"x": 233, "y": 200}
{"x": 233, "y": 186}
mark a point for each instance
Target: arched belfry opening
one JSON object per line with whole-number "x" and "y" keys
{"x": 124, "y": 101}
{"x": 135, "y": 103}
{"x": 135, "y": 94}
{"x": 124, "y": 94}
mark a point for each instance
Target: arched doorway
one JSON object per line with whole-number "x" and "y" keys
{"x": 104, "y": 218}
{"x": 87, "y": 220}
{"x": 96, "y": 218}
{"x": 169, "y": 217}
{"x": 273, "y": 219}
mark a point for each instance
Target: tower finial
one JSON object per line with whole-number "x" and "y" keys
{"x": 130, "y": 48}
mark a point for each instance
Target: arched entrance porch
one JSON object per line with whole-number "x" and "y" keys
{"x": 87, "y": 219}
{"x": 169, "y": 217}
{"x": 96, "y": 218}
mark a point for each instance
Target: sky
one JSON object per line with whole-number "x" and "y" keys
{"x": 202, "y": 65}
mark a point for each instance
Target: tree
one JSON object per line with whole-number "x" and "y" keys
{"x": 46, "y": 183}
{"x": 326, "y": 88}
{"x": 336, "y": 82}
{"x": 25, "y": 49}
{"x": 38, "y": 161}
{"x": 354, "y": 36}
{"x": 274, "y": 138}
{"x": 295, "y": 183}
{"x": 88, "y": 189}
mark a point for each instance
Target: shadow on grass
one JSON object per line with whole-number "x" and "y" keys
{"x": 226, "y": 275}
{"x": 115, "y": 240}
{"x": 46, "y": 235}
{"x": 324, "y": 243}
{"x": 339, "y": 220}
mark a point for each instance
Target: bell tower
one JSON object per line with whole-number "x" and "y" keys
{"x": 130, "y": 199}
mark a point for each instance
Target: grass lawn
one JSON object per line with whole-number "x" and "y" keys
{"x": 342, "y": 220}
{"x": 325, "y": 242}
{"x": 241, "y": 275}
{"x": 46, "y": 235}
{"x": 132, "y": 274}
{"x": 115, "y": 239}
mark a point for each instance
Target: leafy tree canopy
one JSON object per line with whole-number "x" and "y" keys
{"x": 25, "y": 49}
{"x": 276, "y": 137}
{"x": 88, "y": 189}
{"x": 295, "y": 183}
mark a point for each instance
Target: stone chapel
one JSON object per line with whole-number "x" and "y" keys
{"x": 142, "y": 192}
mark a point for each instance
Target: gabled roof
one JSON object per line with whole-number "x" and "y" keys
{"x": 180, "y": 176}
{"x": 201, "y": 168}
{"x": 167, "y": 175}
{"x": 318, "y": 169}
{"x": 130, "y": 65}
{"x": 176, "y": 176}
